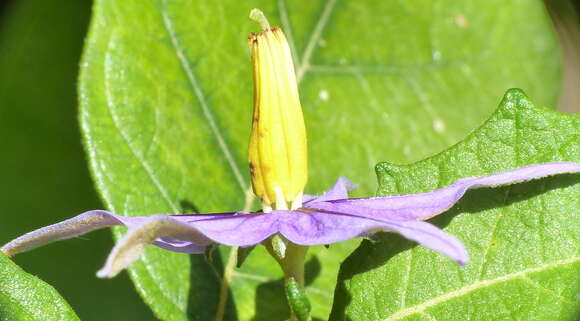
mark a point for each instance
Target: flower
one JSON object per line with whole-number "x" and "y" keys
{"x": 288, "y": 219}
{"x": 329, "y": 218}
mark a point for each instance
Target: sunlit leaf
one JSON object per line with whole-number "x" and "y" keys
{"x": 166, "y": 99}
{"x": 25, "y": 297}
{"x": 522, "y": 239}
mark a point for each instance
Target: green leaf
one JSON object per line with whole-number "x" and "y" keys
{"x": 166, "y": 107}
{"x": 43, "y": 167}
{"x": 25, "y": 297}
{"x": 522, "y": 239}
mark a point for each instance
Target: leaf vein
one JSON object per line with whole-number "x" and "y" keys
{"x": 476, "y": 286}
{"x": 142, "y": 162}
{"x": 405, "y": 280}
{"x": 484, "y": 260}
{"x": 116, "y": 122}
{"x": 314, "y": 38}
{"x": 550, "y": 291}
{"x": 15, "y": 303}
{"x": 196, "y": 87}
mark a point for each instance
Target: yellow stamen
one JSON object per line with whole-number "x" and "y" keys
{"x": 278, "y": 150}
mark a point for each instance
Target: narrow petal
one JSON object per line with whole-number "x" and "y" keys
{"x": 132, "y": 245}
{"x": 338, "y": 191}
{"x": 188, "y": 233}
{"x": 79, "y": 225}
{"x": 97, "y": 219}
{"x": 430, "y": 236}
{"x": 425, "y": 205}
{"x": 238, "y": 230}
{"x": 322, "y": 227}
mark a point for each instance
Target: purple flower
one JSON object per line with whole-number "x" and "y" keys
{"x": 325, "y": 219}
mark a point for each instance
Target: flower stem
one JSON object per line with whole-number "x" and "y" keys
{"x": 291, "y": 258}
{"x": 293, "y": 263}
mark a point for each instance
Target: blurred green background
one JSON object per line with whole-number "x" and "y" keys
{"x": 43, "y": 172}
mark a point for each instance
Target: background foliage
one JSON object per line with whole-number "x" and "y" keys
{"x": 43, "y": 168}
{"x": 522, "y": 241}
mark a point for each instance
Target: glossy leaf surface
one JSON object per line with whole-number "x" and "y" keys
{"x": 522, "y": 238}
{"x": 166, "y": 108}
{"x": 26, "y": 297}
{"x": 42, "y": 165}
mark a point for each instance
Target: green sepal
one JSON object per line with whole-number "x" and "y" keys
{"x": 279, "y": 246}
{"x": 297, "y": 299}
{"x": 243, "y": 253}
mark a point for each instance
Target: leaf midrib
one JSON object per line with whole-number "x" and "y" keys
{"x": 20, "y": 307}
{"x": 314, "y": 37}
{"x": 196, "y": 88}
{"x": 116, "y": 121}
{"x": 158, "y": 185}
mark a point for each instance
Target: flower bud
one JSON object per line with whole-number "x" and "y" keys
{"x": 277, "y": 152}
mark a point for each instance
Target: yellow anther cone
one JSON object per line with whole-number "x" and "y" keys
{"x": 278, "y": 150}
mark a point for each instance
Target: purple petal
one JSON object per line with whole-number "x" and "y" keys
{"x": 185, "y": 233}
{"x": 425, "y": 205}
{"x": 97, "y": 219}
{"x": 237, "y": 230}
{"x": 432, "y": 237}
{"x": 79, "y": 225}
{"x": 338, "y": 191}
{"x": 324, "y": 220}
{"x": 176, "y": 245}
{"x": 154, "y": 227}
{"x": 315, "y": 228}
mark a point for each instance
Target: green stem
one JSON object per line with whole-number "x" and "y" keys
{"x": 292, "y": 263}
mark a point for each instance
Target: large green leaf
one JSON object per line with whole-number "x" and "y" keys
{"x": 43, "y": 172}
{"x": 25, "y": 297}
{"x": 166, "y": 98}
{"x": 522, "y": 239}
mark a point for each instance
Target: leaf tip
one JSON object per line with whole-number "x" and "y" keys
{"x": 515, "y": 95}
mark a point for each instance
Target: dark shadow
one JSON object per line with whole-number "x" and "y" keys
{"x": 368, "y": 256}
{"x": 203, "y": 295}
{"x": 270, "y": 299}
{"x": 270, "y": 302}
{"x": 188, "y": 207}
{"x": 478, "y": 200}
{"x": 363, "y": 259}
{"x": 311, "y": 270}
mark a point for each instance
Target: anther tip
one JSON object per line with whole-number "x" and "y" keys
{"x": 258, "y": 16}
